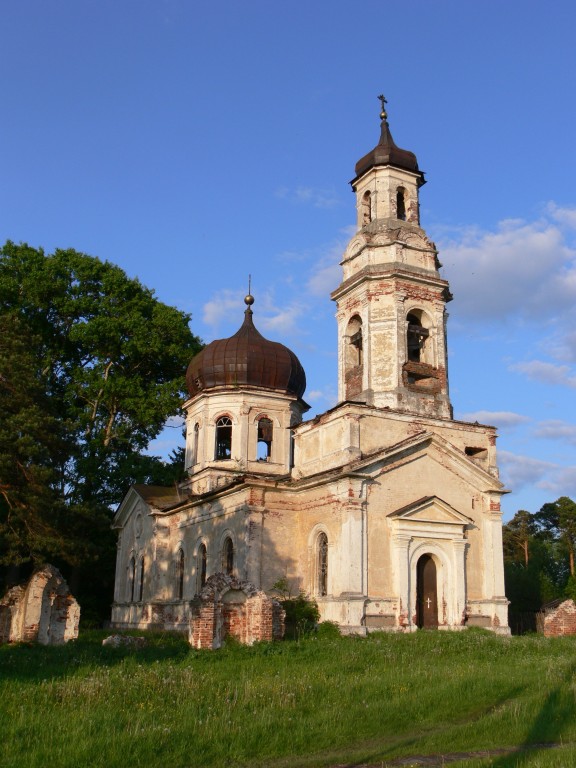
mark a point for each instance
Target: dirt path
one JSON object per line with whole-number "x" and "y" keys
{"x": 437, "y": 761}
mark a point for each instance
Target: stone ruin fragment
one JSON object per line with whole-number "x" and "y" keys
{"x": 41, "y": 611}
{"x": 229, "y": 607}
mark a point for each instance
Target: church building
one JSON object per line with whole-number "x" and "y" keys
{"x": 384, "y": 509}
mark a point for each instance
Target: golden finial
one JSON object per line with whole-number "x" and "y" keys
{"x": 383, "y": 114}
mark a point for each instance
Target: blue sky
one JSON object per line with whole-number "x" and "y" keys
{"x": 194, "y": 144}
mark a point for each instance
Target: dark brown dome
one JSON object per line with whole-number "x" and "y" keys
{"x": 387, "y": 153}
{"x": 246, "y": 359}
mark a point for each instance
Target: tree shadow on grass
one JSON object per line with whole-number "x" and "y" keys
{"x": 34, "y": 663}
{"x": 548, "y": 726}
{"x": 396, "y": 751}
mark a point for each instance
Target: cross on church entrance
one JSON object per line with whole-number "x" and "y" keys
{"x": 428, "y": 602}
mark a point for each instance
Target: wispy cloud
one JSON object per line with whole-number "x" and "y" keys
{"x": 316, "y": 197}
{"x": 222, "y": 307}
{"x": 518, "y": 471}
{"x": 501, "y": 419}
{"x": 556, "y": 429}
{"x": 546, "y": 373}
{"x": 326, "y": 397}
{"x": 561, "y": 483}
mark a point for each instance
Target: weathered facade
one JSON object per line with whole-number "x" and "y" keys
{"x": 385, "y": 509}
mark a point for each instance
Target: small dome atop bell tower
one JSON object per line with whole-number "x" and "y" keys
{"x": 387, "y": 181}
{"x": 387, "y": 153}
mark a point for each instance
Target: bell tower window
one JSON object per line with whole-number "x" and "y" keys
{"x": 264, "y": 452}
{"x": 223, "y": 438}
{"x": 401, "y": 204}
{"x": 366, "y": 208}
{"x": 354, "y": 357}
{"x": 195, "y": 443}
{"x": 417, "y": 336}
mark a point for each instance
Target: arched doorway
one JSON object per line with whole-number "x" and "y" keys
{"x": 426, "y": 593}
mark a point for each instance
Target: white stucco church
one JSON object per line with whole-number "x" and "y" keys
{"x": 384, "y": 509}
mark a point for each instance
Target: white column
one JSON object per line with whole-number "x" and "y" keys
{"x": 401, "y": 544}
{"x": 459, "y": 576}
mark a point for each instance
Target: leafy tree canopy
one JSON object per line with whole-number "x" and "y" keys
{"x": 91, "y": 367}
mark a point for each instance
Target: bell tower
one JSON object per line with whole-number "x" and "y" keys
{"x": 391, "y": 304}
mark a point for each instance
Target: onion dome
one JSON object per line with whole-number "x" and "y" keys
{"x": 246, "y": 359}
{"x": 387, "y": 153}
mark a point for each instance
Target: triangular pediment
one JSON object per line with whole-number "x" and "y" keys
{"x": 435, "y": 448}
{"x": 144, "y": 498}
{"x": 430, "y": 509}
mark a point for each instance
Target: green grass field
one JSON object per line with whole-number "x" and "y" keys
{"x": 321, "y": 701}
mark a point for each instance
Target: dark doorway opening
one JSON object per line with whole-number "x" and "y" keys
{"x": 426, "y": 593}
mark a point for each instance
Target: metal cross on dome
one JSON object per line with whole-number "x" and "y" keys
{"x": 383, "y": 100}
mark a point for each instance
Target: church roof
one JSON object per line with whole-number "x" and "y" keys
{"x": 387, "y": 153}
{"x": 157, "y": 496}
{"x": 246, "y": 359}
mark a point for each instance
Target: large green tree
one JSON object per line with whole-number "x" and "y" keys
{"x": 558, "y": 520}
{"x": 539, "y": 554}
{"x": 91, "y": 367}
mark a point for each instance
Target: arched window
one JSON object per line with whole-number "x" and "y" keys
{"x": 180, "y": 575}
{"x": 141, "y": 582}
{"x": 401, "y": 204}
{"x": 264, "y": 448}
{"x": 223, "y": 438}
{"x": 201, "y": 570}
{"x": 131, "y": 579}
{"x": 195, "y": 443}
{"x": 228, "y": 556}
{"x": 417, "y": 335}
{"x": 322, "y": 564}
{"x": 366, "y": 208}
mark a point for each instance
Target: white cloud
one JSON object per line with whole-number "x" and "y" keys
{"x": 556, "y": 429}
{"x": 522, "y": 268}
{"x": 220, "y": 308}
{"x": 326, "y": 274}
{"x": 325, "y": 279}
{"x": 546, "y": 373}
{"x": 316, "y": 197}
{"x": 326, "y": 397}
{"x": 501, "y": 419}
{"x": 561, "y": 483}
{"x": 566, "y": 216}
{"x": 520, "y": 471}
{"x": 282, "y": 321}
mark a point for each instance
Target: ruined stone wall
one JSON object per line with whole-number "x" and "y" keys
{"x": 560, "y": 620}
{"x": 229, "y": 607}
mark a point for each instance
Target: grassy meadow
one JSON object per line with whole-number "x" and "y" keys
{"x": 324, "y": 700}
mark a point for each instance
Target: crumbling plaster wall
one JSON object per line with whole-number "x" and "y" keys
{"x": 43, "y": 611}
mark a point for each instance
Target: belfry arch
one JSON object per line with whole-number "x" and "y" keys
{"x": 354, "y": 357}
